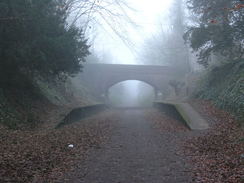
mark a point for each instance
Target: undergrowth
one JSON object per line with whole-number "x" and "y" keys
{"x": 224, "y": 85}
{"x": 16, "y": 103}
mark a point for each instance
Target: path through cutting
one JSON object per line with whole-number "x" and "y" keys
{"x": 137, "y": 152}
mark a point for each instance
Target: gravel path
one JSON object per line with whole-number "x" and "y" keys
{"x": 136, "y": 153}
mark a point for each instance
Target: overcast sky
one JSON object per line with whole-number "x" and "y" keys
{"x": 148, "y": 16}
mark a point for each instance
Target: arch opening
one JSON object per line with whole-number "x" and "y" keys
{"x": 131, "y": 93}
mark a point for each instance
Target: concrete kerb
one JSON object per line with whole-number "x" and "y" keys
{"x": 80, "y": 113}
{"x": 191, "y": 117}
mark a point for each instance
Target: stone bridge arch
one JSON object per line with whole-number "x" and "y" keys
{"x": 113, "y": 82}
{"x": 100, "y": 77}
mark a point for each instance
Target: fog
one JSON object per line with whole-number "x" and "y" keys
{"x": 131, "y": 94}
{"x": 139, "y": 32}
{"x": 123, "y": 37}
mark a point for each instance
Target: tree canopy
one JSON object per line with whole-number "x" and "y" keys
{"x": 35, "y": 39}
{"x": 219, "y": 29}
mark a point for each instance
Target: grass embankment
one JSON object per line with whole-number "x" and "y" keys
{"x": 25, "y": 102}
{"x": 224, "y": 85}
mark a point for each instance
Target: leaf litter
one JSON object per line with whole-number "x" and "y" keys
{"x": 45, "y": 155}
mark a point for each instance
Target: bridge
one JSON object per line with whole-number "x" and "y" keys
{"x": 101, "y": 77}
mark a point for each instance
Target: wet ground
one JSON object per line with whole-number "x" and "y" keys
{"x": 142, "y": 148}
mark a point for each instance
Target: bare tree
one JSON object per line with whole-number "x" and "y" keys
{"x": 112, "y": 14}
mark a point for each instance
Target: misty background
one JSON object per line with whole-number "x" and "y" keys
{"x": 139, "y": 32}
{"x": 191, "y": 36}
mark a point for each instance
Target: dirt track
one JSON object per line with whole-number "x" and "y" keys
{"x": 126, "y": 146}
{"x": 141, "y": 150}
